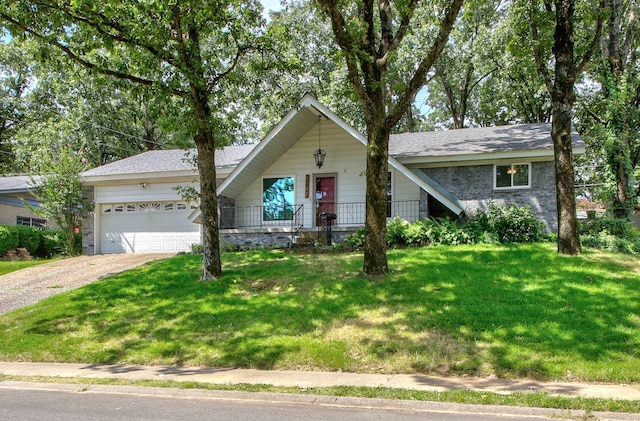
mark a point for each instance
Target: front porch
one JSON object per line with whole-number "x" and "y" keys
{"x": 295, "y": 225}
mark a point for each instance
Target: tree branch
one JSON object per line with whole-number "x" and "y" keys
{"x": 83, "y": 62}
{"x": 586, "y": 58}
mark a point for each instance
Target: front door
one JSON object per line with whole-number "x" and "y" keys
{"x": 325, "y": 197}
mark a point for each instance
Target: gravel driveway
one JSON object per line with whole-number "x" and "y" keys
{"x": 30, "y": 285}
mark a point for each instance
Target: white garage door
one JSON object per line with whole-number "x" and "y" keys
{"x": 150, "y": 227}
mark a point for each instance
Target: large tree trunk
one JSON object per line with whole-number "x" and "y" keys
{"x": 375, "y": 248}
{"x": 562, "y": 98}
{"x": 206, "y": 147}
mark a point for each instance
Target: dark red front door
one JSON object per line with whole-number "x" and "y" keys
{"x": 325, "y": 197}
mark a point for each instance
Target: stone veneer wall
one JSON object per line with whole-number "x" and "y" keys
{"x": 257, "y": 238}
{"x": 88, "y": 239}
{"x": 474, "y": 186}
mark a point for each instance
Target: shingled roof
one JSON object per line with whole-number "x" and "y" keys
{"x": 475, "y": 141}
{"x": 170, "y": 160}
{"x": 15, "y": 184}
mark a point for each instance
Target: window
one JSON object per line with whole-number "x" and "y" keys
{"x": 277, "y": 199}
{"x": 168, "y": 206}
{"x": 513, "y": 176}
{"x": 131, "y": 207}
{"x": 30, "y": 222}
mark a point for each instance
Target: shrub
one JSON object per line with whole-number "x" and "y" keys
{"x": 356, "y": 239}
{"x": 618, "y": 227}
{"x": 396, "y": 231}
{"x": 8, "y": 239}
{"x": 52, "y": 242}
{"x": 509, "y": 224}
{"x": 617, "y": 235}
{"x": 28, "y": 237}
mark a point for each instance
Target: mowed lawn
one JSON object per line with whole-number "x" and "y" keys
{"x": 8, "y": 267}
{"x": 512, "y": 311}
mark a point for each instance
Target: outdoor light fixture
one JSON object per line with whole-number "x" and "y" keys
{"x": 143, "y": 185}
{"x": 320, "y": 153}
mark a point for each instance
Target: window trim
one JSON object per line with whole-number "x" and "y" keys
{"x": 511, "y": 187}
{"x": 33, "y": 222}
{"x": 275, "y": 221}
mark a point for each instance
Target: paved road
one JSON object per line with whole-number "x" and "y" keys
{"x": 29, "y": 402}
{"x": 28, "y": 286}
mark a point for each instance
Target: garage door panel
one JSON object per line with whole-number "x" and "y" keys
{"x": 162, "y": 230}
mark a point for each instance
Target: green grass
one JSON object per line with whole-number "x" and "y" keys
{"x": 8, "y": 267}
{"x": 532, "y": 399}
{"x": 514, "y": 311}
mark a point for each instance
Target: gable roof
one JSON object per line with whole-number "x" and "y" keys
{"x": 165, "y": 161}
{"x": 291, "y": 128}
{"x": 477, "y": 143}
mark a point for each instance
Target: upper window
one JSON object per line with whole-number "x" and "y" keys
{"x": 513, "y": 176}
{"x": 277, "y": 198}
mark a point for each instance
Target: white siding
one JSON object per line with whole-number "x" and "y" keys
{"x": 123, "y": 193}
{"x": 345, "y": 159}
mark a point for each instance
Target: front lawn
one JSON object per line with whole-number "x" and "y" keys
{"x": 513, "y": 311}
{"x": 8, "y": 267}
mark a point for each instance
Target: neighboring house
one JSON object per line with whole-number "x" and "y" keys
{"x": 14, "y": 192}
{"x": 275, "y": 194}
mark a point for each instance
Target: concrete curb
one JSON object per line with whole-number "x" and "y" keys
{"x": 310, "y": 379}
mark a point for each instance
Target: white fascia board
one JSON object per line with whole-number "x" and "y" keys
{"x": 472, "y": 158}
{"x": 170, "y": 176}
{"x": 431, "y": 187}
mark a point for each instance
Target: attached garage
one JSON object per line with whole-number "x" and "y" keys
{"x": 147, "y": 227}
{"x": 138, "y": 207}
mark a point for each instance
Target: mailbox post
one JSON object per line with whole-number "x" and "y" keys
{"x": 329, "y": 218}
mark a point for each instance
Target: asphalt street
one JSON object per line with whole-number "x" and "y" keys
{"x": 58, "y": 402}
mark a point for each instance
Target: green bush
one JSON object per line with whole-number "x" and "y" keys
{"x": 506, "y": 224}
{"x": 610, "y": 234}
{"x": 28, "y": 237}
{"x": 52, "y": 242}
{"x": 621, "y": 228}
{"x": 8, "y": 239}
{"x": 356, "y": 239}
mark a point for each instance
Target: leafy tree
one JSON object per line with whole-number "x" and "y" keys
{"x": 14, "y": 84}
{"x": 611, "y": 117}
{"x": 59, "y": 190}
{"x": 189, "y": 49}
{"x": 560, "y": 61}
{"x": 372, "y": 36}
{"x": 466, "y": 62}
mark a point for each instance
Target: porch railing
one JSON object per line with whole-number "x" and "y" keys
{"x": 293, "y": 217}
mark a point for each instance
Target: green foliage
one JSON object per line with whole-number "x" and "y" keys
{"x": 60, "y": 194}
{"x": 52, "y": 243}
{"x": 8, "y": 239}
{"x": 356, "y": 239}
{"x": 499, "y": 224}
{"x": 610, "y": 234}
{"x": 28, "y": 237}
{"x": 509, "y": 224}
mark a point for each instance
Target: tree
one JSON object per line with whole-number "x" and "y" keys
{"x": 552, "y": 34}
{"x": 612, "y": 111}
{"x": 188, "y": 49}
{"x": 59, "y": 191}
{"x": 466, "y": 62}
{"x": 14, "y": 83}
{"x": 371, "y": 36}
